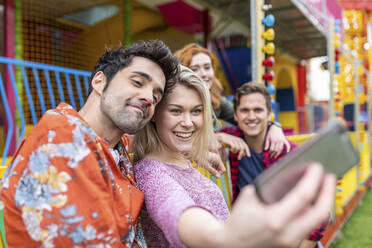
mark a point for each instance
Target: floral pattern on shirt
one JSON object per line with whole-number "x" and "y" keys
{"x": 67, "y": 190}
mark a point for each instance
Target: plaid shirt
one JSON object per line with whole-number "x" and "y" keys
{"x": 234, "y": 162}
{"x": 267, "y": 162}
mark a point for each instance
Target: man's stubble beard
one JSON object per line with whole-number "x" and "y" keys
{"x": 124, "y": 120}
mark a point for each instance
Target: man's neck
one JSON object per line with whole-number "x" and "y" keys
{"x": 92, "y": 114}
{"x": 256, "y": 143}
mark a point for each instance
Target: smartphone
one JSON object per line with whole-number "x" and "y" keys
{"x": 331, "y": 147}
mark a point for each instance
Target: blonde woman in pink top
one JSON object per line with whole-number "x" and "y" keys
{"x": 185, "y": 209}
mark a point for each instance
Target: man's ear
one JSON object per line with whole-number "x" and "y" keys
{"x": 99, "y": 82}
{"x": 235, "y": 118}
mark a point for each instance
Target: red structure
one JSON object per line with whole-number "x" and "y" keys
{"x": 355, "y": 4}
{"x": 9, "y": 51}
{"x": 301, "y": 86}
{"x": 185, "y": 17}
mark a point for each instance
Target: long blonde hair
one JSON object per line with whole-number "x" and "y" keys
{"x": 185, "y": 56}
{"x": 147, "y": 140}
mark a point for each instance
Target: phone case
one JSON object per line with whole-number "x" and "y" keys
{"x": 331, "y": 147}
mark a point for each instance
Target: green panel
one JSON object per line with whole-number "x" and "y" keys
{"x": 2, "y": 227}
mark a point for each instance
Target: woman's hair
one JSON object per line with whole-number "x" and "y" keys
{"x": 185, "y": 56}
{"x": 147, "y": 139}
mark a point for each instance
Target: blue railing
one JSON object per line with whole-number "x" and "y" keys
{"x": 30, "y": 85}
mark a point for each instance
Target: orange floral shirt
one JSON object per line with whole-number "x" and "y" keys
{"x": 64, "y": 188}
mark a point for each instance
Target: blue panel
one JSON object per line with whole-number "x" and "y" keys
{"x": 28, "y": 95}
{"x": 79, "y": 92}
{"x": 318, "y": 116}
{"x": 285, "y": 98}
{"x": 86, "y": 85}
{"x": 50, "y": 88}
{"x": 18, "y": 101}
{"x": 40, "y": 93}
{"x": 42, "y": 66}
{"x": 70, "y": 91}
{"x": 349, "y": 116}
{"x": 240, "y": 61}
{"x": 349, "y": 112}
{"x": 39, "y": 90}
{"x": 59, "y": 86}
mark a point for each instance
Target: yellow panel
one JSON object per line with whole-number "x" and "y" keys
{"x": 348, "y": 185}
{"x": 287, "y": 65}
{"x": 7, "y": 161}
{"x": 28, "y": 129}
{"x": 364, "y": 155}
{"x": 3, "y": 167}
{"x": 285, "y": 69}
{"x": 284, "y": 79}
{"x": 349, "y": 181}
{"x": 370, "y": 58}
{"x": 364, "y": 168}
{"x": 301, "y": 138}
{"x": 289, "y": 120}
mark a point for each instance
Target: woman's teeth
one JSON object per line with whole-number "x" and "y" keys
{"x": 183, "y": 135}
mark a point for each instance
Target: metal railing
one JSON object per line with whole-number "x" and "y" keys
{"x": 36, "y": 87}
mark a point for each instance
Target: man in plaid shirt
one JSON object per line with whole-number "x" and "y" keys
{"x": 252, "y": 107}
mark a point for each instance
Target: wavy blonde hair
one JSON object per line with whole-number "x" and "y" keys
{"x": 185, "y": 56}
{"x": 147, "y": 139}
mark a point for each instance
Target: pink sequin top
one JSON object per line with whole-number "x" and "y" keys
{"x": 169, "y": 190}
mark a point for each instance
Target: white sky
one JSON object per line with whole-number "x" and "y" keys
{"x": 319, "y": 80}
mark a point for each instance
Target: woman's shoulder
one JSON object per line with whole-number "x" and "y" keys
{"x": 148, "y": 164}
{"x": 149, "y": 169}
{"x": 226, "y": 103}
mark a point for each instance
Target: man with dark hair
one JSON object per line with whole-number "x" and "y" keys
{"x": 71, "y": 183}
{"x": 115, "y": 60}
{"x": 252, "y": 106}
